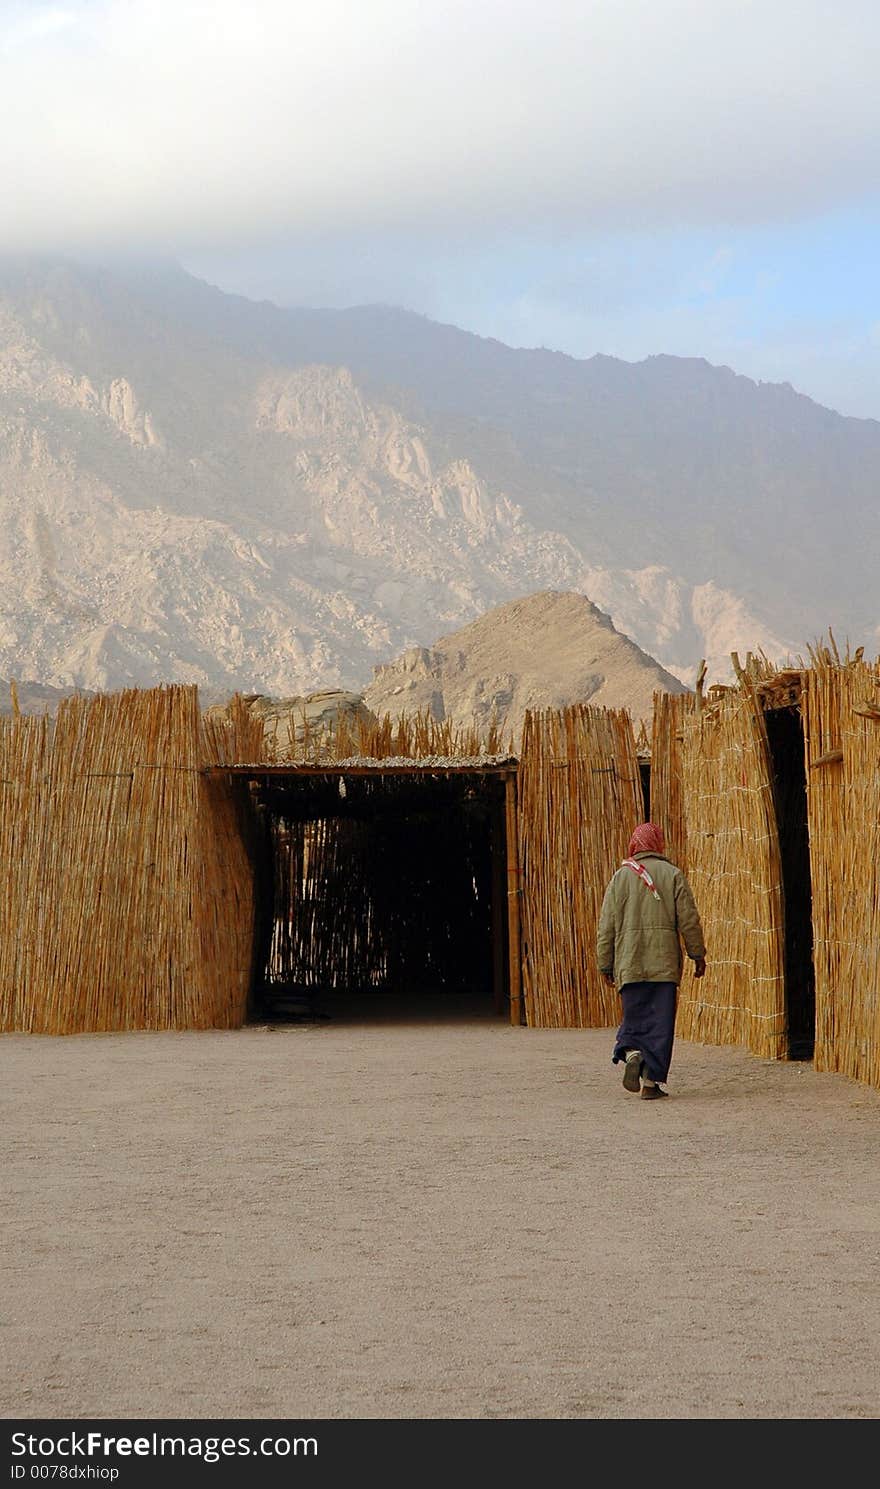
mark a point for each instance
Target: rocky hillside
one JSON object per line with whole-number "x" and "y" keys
{"x": 545, "y": 651}
{"x": 32, "y": 697}
{"x": 197, "y": 488}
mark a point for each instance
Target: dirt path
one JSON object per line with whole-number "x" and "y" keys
{"x": 423, "y": 1220}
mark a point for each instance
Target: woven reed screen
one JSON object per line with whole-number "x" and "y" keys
{"x": 579, "y": 800}
{"x": 24, "y": 744}
{"x": 118, "y": 860}
{"x": 667, "y": 799}
{"x": 843, "y": 807}
{"x": 733, "y": 865}
{"x": 222, "y": 870}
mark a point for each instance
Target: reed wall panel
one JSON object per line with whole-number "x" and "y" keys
{"x": 843, "y": 807}
{"x": 667, "y": 797}
{"x": 125, "y": 871}
{"x": 24, "y": 744}
{"x": 734, "y": 869}
{"x": 225, "y": 878}
{"x": 579, "y": 800}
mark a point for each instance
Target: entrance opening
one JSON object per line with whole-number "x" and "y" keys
{"x": 645, "y": 777}
{"x": 381, "y": 893}
{"x": 785, "y": 734}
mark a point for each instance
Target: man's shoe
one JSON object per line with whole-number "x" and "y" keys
{"x": 652, "y": 1093}
{"x": 632, "y": 1070}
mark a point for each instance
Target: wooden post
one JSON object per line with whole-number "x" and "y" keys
{"x": 513, "y": 899}
{"x": 499, "y": 917}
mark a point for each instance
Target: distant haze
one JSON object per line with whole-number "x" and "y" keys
{"x": 191, "y": 121}
{"x": 627, "y": 176}
{"x": 195, "y": 120}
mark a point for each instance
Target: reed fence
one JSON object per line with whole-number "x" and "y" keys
{"x": 730, "y": 819}
{"x": 841, "y": 705}
{"x": 671, "y": 710}
{"x": 24, "y": 746}
{"x": 580, "y": 797}
{"x": 734, "y": 869}
{"x": 131, "y": 908}
{"x": 130, "y": 878}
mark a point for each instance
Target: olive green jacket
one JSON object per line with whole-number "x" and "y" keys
{"x": 639, "y": 936}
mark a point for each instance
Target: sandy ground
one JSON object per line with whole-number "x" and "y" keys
{"x": 432, "y": 1220}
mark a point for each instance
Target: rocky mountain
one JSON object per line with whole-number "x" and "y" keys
{"x": 200, "y": 488}
{"x": 32, "y": 697}
{"x": 545, "y": 651}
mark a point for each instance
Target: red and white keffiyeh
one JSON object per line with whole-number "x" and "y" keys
{"x": 647, "y": 838}
{"x": 639, "y": 868}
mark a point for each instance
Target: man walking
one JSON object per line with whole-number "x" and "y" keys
{"x": 647, "y": 911}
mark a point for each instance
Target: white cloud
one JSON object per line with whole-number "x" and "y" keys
{"x": 23, "y": 25}
{"x": 179, "y": 122}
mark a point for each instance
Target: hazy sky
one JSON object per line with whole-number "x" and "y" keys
{"x": 628, "y": 176}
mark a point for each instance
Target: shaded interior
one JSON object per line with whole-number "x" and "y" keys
{"x": 380, "y": 893}
{"x": 786, "y": 739}
{"x": 645, "y": 778}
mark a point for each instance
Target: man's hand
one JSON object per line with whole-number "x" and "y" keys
{"x": 700, "y": 966}
{"x": 609, "y": 978}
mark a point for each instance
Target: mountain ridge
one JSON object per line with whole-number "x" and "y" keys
{"x": 199, "y": 487}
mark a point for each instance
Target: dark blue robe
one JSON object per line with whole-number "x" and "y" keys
{"x": 648, "y": 1025}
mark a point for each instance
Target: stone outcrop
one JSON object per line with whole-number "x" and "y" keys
{"x": 290, "y": 724}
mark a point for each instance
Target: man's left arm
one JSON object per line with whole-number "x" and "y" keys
{"x": 605, "y": 941}
{"x": 688, "y": 919}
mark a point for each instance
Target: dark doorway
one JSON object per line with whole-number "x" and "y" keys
{"x": 381, "y": 891}
{"x": 785, "y": 735}
{"x": 645, "y": 776}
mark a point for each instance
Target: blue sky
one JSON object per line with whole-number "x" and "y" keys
{"x": 794, "y": 302}
{"x": 699, "y": 177}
